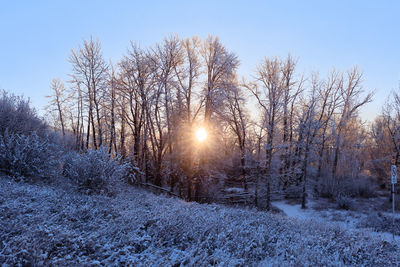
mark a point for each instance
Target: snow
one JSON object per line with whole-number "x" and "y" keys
{"x": 293, "y": 211}
{"x": 53, "y": 224}
{"x": 350, "y": 222}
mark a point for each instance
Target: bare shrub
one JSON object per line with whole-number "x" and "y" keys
{"x": 328, "y": 188}
{"x": 345, "y": 186}
{"x": 366, "y": 188}
{"x": 93, "y": 169}
{"x": 343, "y": 202}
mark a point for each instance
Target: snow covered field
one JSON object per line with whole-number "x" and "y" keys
{"x": 53, "y": 225}
{"x": 342, "y": 218}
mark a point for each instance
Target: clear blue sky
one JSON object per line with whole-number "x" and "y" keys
{"x": 36, "y": 36}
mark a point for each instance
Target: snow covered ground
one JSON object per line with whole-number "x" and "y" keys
{"x": 345, "y": 219}
{"x": 53, "y": 225}
{"x": 293, "y": 211}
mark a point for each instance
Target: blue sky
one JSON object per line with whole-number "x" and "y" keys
{"x": 36, "y": 36}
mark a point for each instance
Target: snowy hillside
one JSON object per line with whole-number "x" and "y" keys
{"x": 45, "y": 224}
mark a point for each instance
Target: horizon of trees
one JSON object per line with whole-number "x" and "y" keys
{"x": 302, "y": 134}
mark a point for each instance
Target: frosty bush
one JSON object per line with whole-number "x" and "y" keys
{"x": 363, "y": 187}
{"x": 328, "y": 188}
{"x": 350, "y": 187}
{"x": 343, "y": 202}
{"x": 93, "y": 170}
{"x": 27, "y": 156}
{"x": 16, "y": 116}
{"x": 380, "y": 223}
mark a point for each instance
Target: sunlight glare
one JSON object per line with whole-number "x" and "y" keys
{"x": 201, "y": 134}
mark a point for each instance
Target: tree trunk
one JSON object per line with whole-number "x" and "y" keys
{"x": 304, "y": 171}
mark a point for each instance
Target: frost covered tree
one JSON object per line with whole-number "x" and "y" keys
{"x": 292, "y": 89}
{"x": 220, "y": 67}
{"x": 235, "y": 114}
{"x": 329, "y": 97}
{"x": 385, "y": 132}
{"x": 352, "y": 99}
{"x": 89, "y": 73}
{"x": 268, "y": 91}
{"x": 309, "y": 126}
{"x": 136, "y": 83}
{"x": 148, "y": 106}
{"x": 58, "y": 100}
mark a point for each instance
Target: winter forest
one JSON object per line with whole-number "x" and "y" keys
{"x": 278, "y": 133}
{"x": 169, "y": 157}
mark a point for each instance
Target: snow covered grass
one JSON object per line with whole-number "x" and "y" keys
{"x": 49, "y": 225}
{"x": 381, "y": 223}
{"x": 363, "y": 217}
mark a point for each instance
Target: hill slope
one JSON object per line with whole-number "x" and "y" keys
{"x": 44, "y": 224}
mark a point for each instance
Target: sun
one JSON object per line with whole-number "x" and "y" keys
{"x": 201, "y": 134}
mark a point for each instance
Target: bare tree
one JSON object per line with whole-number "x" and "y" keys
{"x": 90, "y": 71}
{"x": 329, "y": 97}
{"x": 221, "y": 65}
{"x": 187, "y": 75}
{"x": 166, "y": 58}
{"x": 308, "y": 127}
{"x": 389, "y": 133}
{"x": 58, "y": 100}
{"x": 112, "y": 99}
{"x": 292, "y": 88}
{"x": 351, "y": 94}
{"x": 269, "y": 91}
{"x": 235, "y": 115}
{"x": 136, "y": 80}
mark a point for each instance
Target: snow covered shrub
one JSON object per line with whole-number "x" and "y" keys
{"x": 328, "y": 188}
{"x": 94, "y": 169}
{"x": 27, "y": 156}
{"x": 365, "y": 188}
{"x": 132, "y": 172}
{"x": 18, "y": 117}
{"x": 380, "y": 223}
{"x": 343, "y": 202}
{"x": 356, "y": 187}
{"x": 66, "y": 142}
{"x": 348, "y": 186}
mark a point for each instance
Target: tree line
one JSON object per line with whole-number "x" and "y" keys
{"x": 276, "y": 132}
